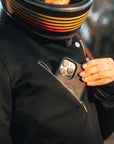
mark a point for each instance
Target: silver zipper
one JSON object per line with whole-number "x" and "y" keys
{"x": 42, "y": 64}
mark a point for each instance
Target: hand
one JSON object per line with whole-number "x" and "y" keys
{"x": 98, "y": 72}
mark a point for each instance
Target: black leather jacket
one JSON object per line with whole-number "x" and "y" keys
{"x": 35, "y": 107}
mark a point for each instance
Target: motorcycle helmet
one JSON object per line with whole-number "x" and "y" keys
{"x": 49, "y": 20}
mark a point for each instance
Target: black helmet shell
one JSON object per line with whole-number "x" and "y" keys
{"x": 48, "y": 20}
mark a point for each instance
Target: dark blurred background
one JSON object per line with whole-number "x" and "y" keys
{"x": 98, "y": 33}
{"x": 98, "y": 30}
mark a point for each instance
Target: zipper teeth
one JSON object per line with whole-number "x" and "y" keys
{"x": 44, "y": 66}
{"x": 48, "y": 69}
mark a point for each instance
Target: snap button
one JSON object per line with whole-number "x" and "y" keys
{"x": 77, "y": 44}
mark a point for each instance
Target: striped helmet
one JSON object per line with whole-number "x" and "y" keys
{"x": 49, "y": 20}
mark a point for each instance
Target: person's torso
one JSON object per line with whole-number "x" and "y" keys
{"x": 44, "y": 110}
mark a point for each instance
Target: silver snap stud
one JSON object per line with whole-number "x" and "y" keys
{"x": 77, "y": 44}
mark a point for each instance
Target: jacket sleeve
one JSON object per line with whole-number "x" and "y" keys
{"x": 104, "y": 97}
{"x": 5, "y": 105}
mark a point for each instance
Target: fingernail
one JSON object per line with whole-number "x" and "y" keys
{"x": 82, "y": 73}
{"x": 85, "y": 78}
{"x": 84, "y": 66}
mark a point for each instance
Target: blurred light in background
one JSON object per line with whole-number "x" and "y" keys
{"x": 0, "y": 9}
{"x": 98, "y": 30}
{"x": 0, "y": 6}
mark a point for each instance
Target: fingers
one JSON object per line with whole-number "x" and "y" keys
{"x": 99, "y": 75}
{"x": 98, "y": 72}
{"x": 97, "y": 68}
{"x": 100, "y": 78}
{"x": 97, "y": 61}
{"x": 99, "y": 82}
